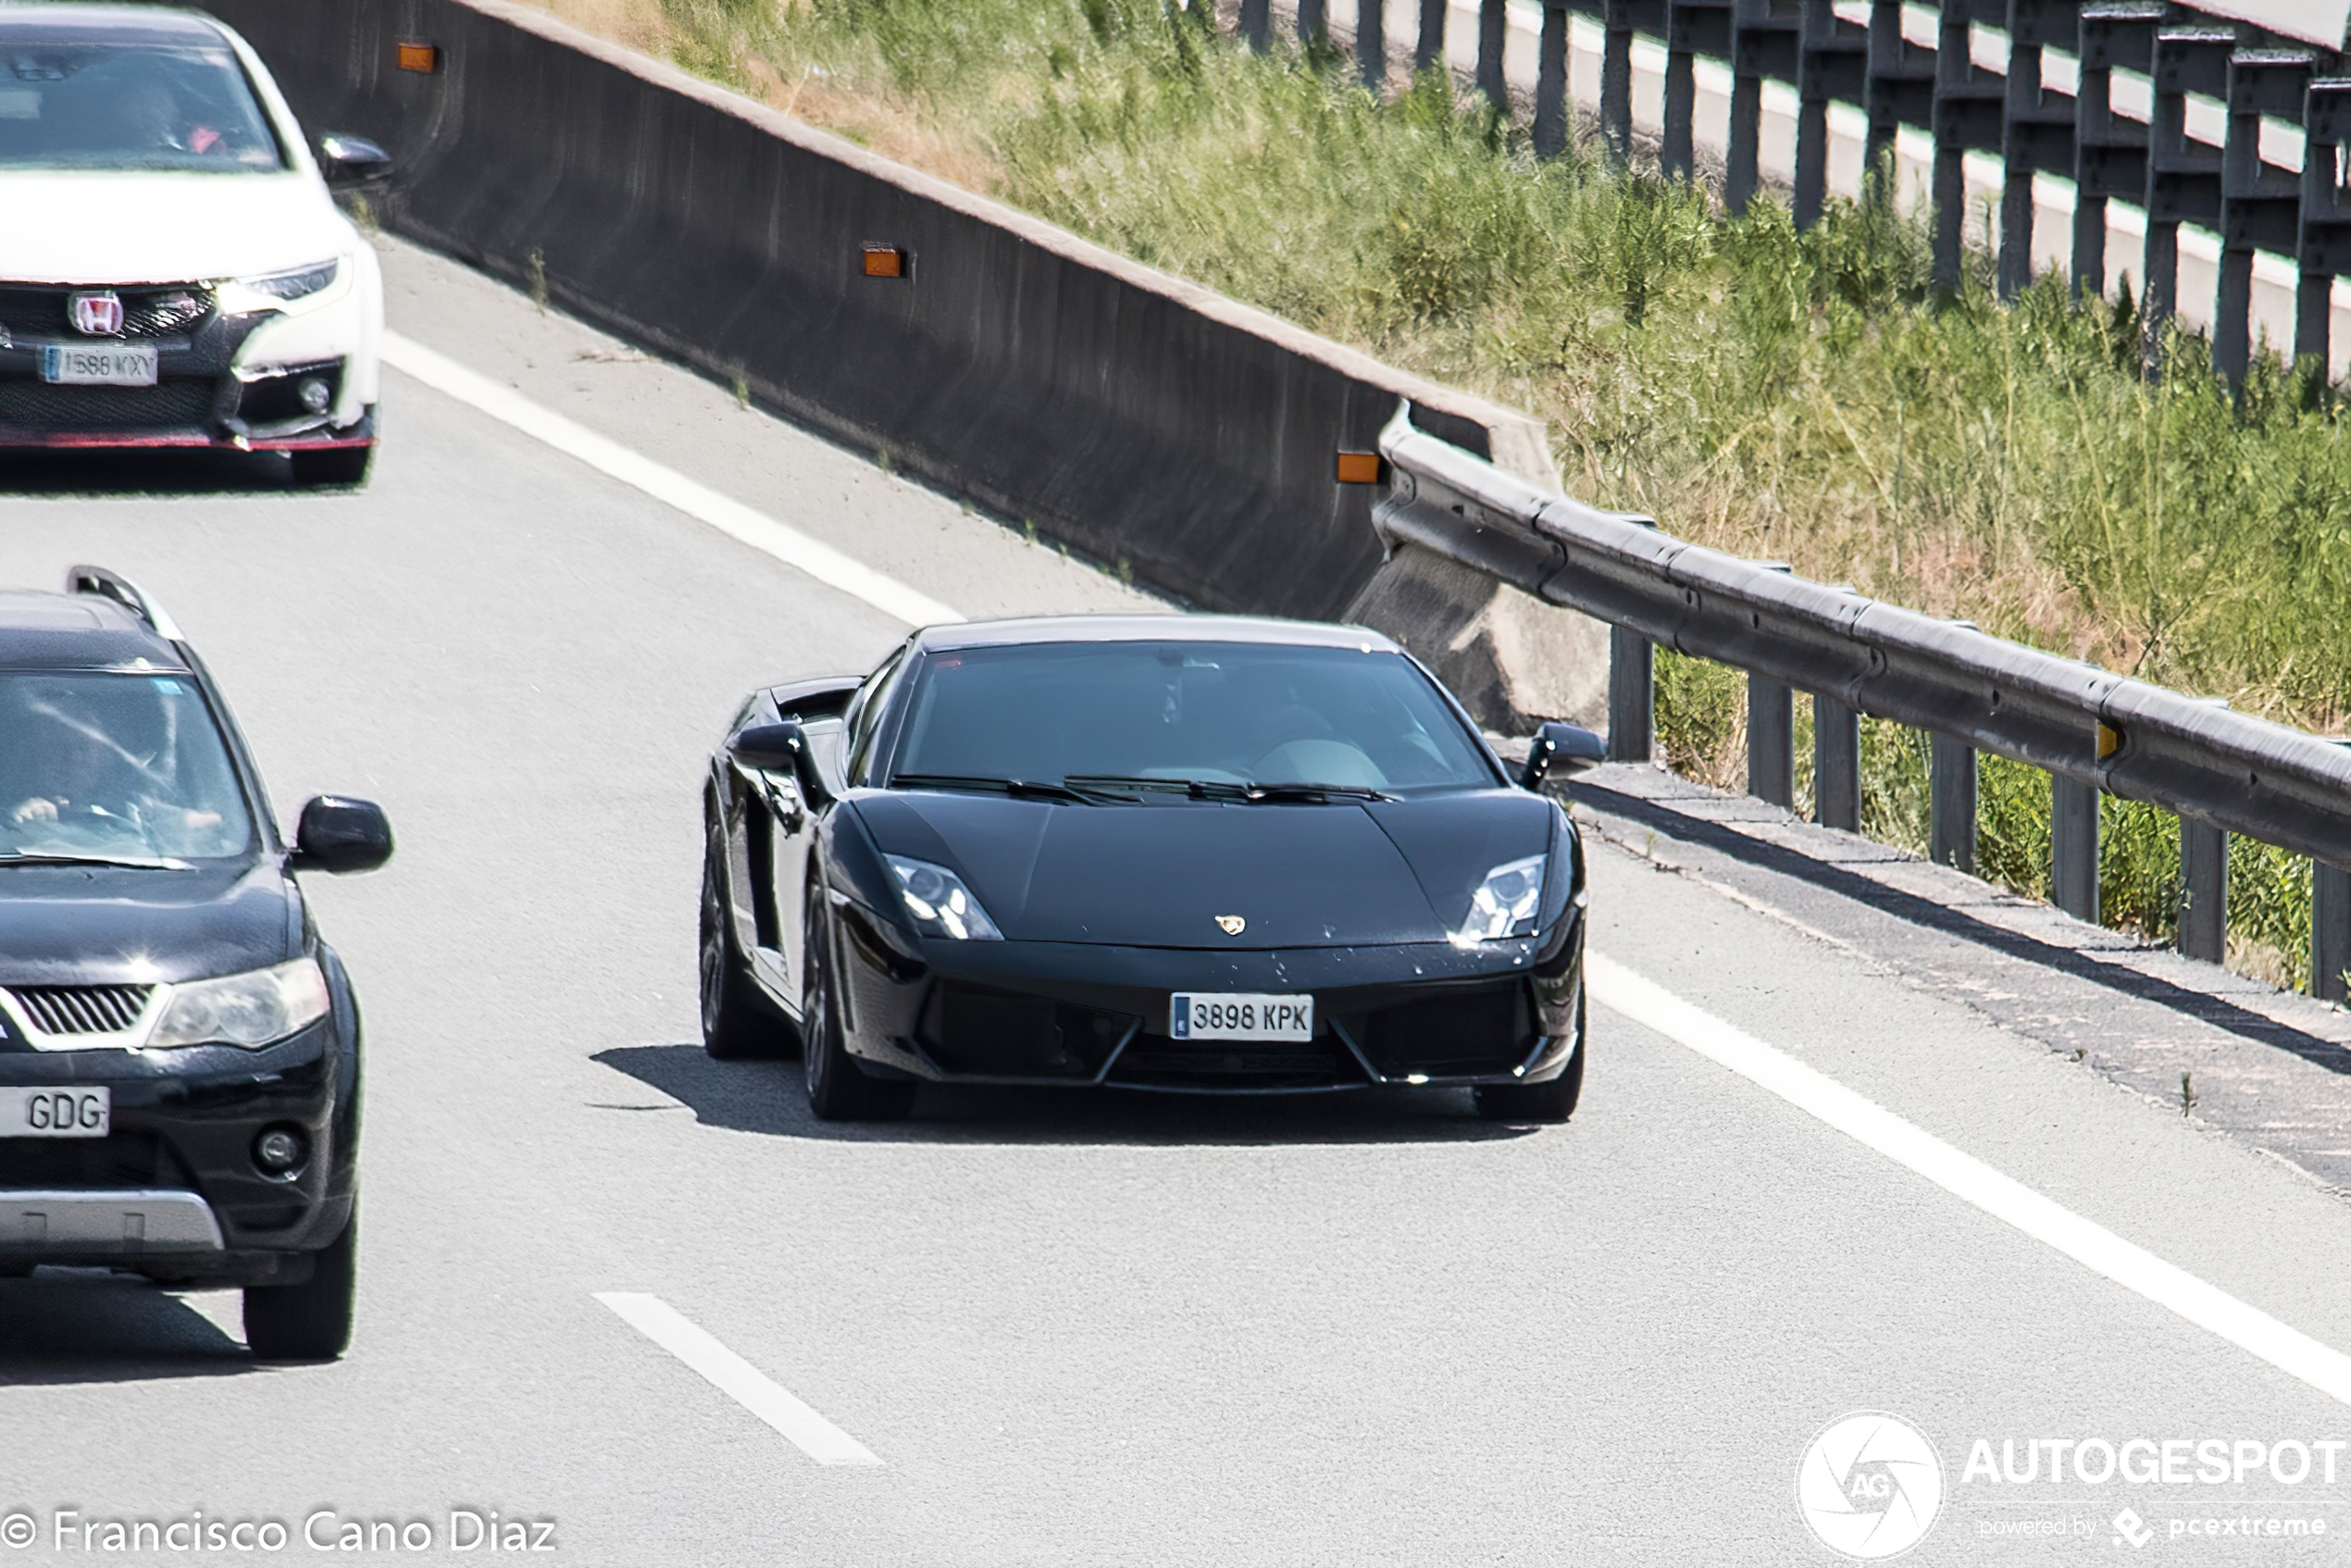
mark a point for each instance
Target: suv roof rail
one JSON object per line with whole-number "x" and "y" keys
{"x": 124, "y": 593}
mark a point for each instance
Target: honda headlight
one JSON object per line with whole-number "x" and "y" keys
{"x": 256, "y": 1008}
{"x": 1504, "y": 905}
{"x": 272, "y": 290}
{"x": 940, "y": 903}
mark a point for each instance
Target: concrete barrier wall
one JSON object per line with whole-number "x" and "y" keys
{"x": 1135, "y": 417}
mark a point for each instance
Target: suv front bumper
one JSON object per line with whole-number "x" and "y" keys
{"x": 174, "y": 1190}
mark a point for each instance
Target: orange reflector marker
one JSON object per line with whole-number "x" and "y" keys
{"x": 419, "y": 56}
{"x": 1360, "y": 468}
{"x": 2110, "y": 740}
{"x": 885, "y": 261}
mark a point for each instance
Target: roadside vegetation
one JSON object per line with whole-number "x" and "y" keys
{"x": 1802, "y": 397}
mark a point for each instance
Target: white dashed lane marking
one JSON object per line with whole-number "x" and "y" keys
{"x": 738, "y": 1379}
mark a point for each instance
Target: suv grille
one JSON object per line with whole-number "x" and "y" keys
{"x": 146, "y": 313}
{"x": 82, "y": 1010}
{"x": 42, "y": 406}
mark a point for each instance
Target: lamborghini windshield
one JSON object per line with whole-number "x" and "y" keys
{"x": 1211, "y": 717}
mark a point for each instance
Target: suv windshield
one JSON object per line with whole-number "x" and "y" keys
{"x": 78, "y": 102}
{"x": 115, "y": 764}
{"x": 1207, "y": 713}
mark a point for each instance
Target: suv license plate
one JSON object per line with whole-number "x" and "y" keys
{"x": 55, "y": 1113}
{"x": 1240, "y": 1015}
{"x": 99, "y": 365}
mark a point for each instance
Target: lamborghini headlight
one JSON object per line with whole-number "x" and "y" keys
{"x": 940, "y": 903}
{"x": 256, "y": 1008}
{"x": 1505, "y": 903}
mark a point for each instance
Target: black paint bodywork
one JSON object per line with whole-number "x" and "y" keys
{"x": 1108, "y": 908}
{"x": 183, "y": 1118}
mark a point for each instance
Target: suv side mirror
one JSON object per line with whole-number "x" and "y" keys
{"x": 1560, "y": 748}
{"x": 339, "y": 835}
{"x": 347, "y": 162}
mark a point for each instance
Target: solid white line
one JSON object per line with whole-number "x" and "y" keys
{"x": 666, "y": 485}
{"x": 2004, "y": 1198}
{"x": 737, "y": 1379}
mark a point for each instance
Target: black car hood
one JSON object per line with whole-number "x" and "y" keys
{"x": 75, "y": 925}
{"x": 1161, "y": 876}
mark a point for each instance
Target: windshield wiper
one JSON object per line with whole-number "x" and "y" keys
{"x": 133, "y": 862}
{"x": 1021, "y": 789}
{"x": 1316, "y": 793}
{"x": 1227, "y": 790}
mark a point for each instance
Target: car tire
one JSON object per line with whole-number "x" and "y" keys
{"x": 737, "y": 1022}
{"x": 838, "y": 1090}
{"x": 333, "y": 467}
{"x": 1544, "y": 1102}
{"x": 310, "y": 1321}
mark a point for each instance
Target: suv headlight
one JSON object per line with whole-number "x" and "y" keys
{"x": 1505, "y": 903}
{"x": 256, "y": 1008}
{"x": 940, "y": 903}
{"x": 241, "y": 297}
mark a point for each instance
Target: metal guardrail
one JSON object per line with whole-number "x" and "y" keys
{"x": 2097, "y": 92}
{"x": 2094, "y": 731}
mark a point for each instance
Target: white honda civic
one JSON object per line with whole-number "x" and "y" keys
{"x": 173, "y": 271}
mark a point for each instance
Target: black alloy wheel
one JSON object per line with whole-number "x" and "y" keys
{"x": 737, "y": 1024}
{"x": 311, "y": 1321}
{"x": 838, "y": 1090}
{"x": 1544, "y": 1102}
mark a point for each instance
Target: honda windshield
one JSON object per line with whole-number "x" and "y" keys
{"x": 1203, "y": 713}
{"x": 83, "y": 98}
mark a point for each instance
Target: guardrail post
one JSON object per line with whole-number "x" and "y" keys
{"x": 1551, "y": 82}
{"x": 1632, "y": 696}
{"x": 1493, "y": 26}
{"x": 2073, "y": 847}
{"x": 1969, "y": 105}
{"x": 1429, "y": 47}
{"x": 1616, "y": 79}
{"x": 1837, "y": 764}
{"x": 2203, "y": 890}
{"x": 2110, "y": 149}
{"x": 2330, "y": 930}
{"x": 1950, "y": 832}
{"x": 1257, "y": 24}
{"x": 1313, "y": 20}
{"x": 1371, "y": 43}
{"x": 2183, "y": 175}
{"x": 2325, "y": 245}
{"x": 1770, "y": 741}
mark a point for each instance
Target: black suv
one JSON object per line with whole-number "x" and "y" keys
{"x": 178, "y": 1049}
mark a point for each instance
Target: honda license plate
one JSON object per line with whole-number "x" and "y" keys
{"x": 1240, "y": 1015}
{"x": 55, "y": 1113}
{"x": 99, "y": 365}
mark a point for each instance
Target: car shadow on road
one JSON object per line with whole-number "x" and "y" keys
{"x": 766, "y": 1096}
{"x": 117, "y": 1330}
{"x": 193, "y": 472}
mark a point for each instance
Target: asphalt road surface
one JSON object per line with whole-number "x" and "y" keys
{"x": 1071, "y": 1330}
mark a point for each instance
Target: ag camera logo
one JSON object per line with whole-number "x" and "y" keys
{"x": 1870, "y": 1485}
